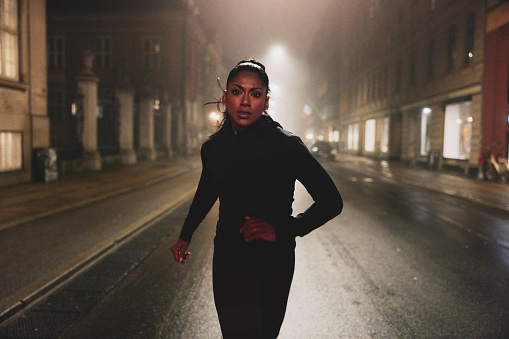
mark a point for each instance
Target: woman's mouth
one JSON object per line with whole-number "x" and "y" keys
{"x": 243, "y": 114}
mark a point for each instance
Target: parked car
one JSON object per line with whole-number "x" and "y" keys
{"x": 323, "y": 150}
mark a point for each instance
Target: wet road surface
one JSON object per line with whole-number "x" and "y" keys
{"x": 400, "y": 261}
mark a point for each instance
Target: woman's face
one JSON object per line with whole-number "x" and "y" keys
{"x": 245, "y": 99}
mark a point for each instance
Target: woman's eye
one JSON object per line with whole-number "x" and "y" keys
{"x": 257, "y": 94}
{"x": 235, "y": 91}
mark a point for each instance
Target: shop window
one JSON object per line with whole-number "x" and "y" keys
{"x": 10, "y": 151}
{"x": 384, "y": 141}
{"x": 369, "y": 136}
{"x": 458, "y": 130}
{"x": 9, "y": 39}
{"x": 424, "y": 139}
{"x": 353, "y": 137}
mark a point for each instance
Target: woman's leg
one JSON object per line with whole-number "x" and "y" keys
{"x": 251, "y": 297}
{"x": 236, "y": 298}
{"x": 276, "y": 280}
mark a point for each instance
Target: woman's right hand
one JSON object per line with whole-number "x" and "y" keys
{"x": 179, "y": 251}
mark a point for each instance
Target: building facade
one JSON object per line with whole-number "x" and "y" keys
{"x": 495, "y": 124}
{"x": 127, "y": 80}
{"x": 411, "y": 80}
{"x": 24, "y": 124}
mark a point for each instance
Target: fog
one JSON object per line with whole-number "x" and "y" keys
{"x": 279, "y": 34}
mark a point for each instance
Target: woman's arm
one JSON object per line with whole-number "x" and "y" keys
{"x": 204, "y": 198}
{"x": 327, "y": 199}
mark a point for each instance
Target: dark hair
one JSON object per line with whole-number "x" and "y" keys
{"x": 248, "y": 65}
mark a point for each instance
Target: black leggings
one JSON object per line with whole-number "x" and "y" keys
{"x": 251, "y": 297}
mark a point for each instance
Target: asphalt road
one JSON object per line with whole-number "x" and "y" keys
{"x": 399, "y": 262}
{"x": 36, "y": 252}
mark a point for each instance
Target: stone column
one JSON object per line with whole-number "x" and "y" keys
{"x": 87, "y": 87}
{"x": 166, "y": 112}
{"x": 146, "y": 126}
{"x": 177, "y": 130}
{"x": 125, "y": 100}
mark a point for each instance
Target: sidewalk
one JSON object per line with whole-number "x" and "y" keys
{"x": 492, "y": 194}
{"x": 25, "y": 202}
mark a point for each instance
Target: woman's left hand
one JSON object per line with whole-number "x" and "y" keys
{"x": 258, "y": 228}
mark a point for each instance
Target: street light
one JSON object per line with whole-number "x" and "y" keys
{"x": 214, "y": 118}
{"x": 278, "y": 51}
{"x": 287, "y": 81}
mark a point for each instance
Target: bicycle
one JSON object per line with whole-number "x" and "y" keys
{"x": 496, "y": 167}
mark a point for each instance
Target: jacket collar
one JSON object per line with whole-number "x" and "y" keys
{"x": 262, "y": 123}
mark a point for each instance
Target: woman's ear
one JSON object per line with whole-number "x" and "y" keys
{"x": 223, "y": 98}
{"x": 267, "y": 99}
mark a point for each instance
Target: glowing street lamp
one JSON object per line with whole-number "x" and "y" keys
{"x": 214, "y": 116}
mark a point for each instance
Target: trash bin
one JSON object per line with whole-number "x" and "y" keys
{"x": 44, "y": 165}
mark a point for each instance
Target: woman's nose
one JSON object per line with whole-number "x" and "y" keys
{"x": 245, "y": 100}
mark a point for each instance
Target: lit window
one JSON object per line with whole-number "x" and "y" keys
{"x": 384, "y": 142}
{"x": 424, "y": 141}
{"x": 9, "y": 39}
{"x": 353, "y": 137}
{"x": 458, "y": 130}
{"x": 10, "y": 151}
{"x": 369, "y": 137}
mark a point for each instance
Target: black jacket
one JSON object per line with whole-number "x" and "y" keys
{"x": 253, "y": 172}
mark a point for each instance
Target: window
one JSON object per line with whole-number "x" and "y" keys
{"x": 56, "y": 52}
{"x": 424, "y": 140}
{"x": 333, "y": 135}
{"x": 9, "y": 39}
{"x": 469, "y": 53}
{"x": 369, "y": 135}
{"x": 458, "y": 130}
{"x": 103, "y": 53}
{"x": 398, "y": 77}
{"x": 431, "y": 57}
{"x": 451, "y": 55}
{"x": 412, "y": 71}
{"x": 10, "y": 151}
{"x": 353, "y": 137}
{"x": 151, "y": 54}
{"x": 384, "y": 141}
{"x": 56, "y": 104}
